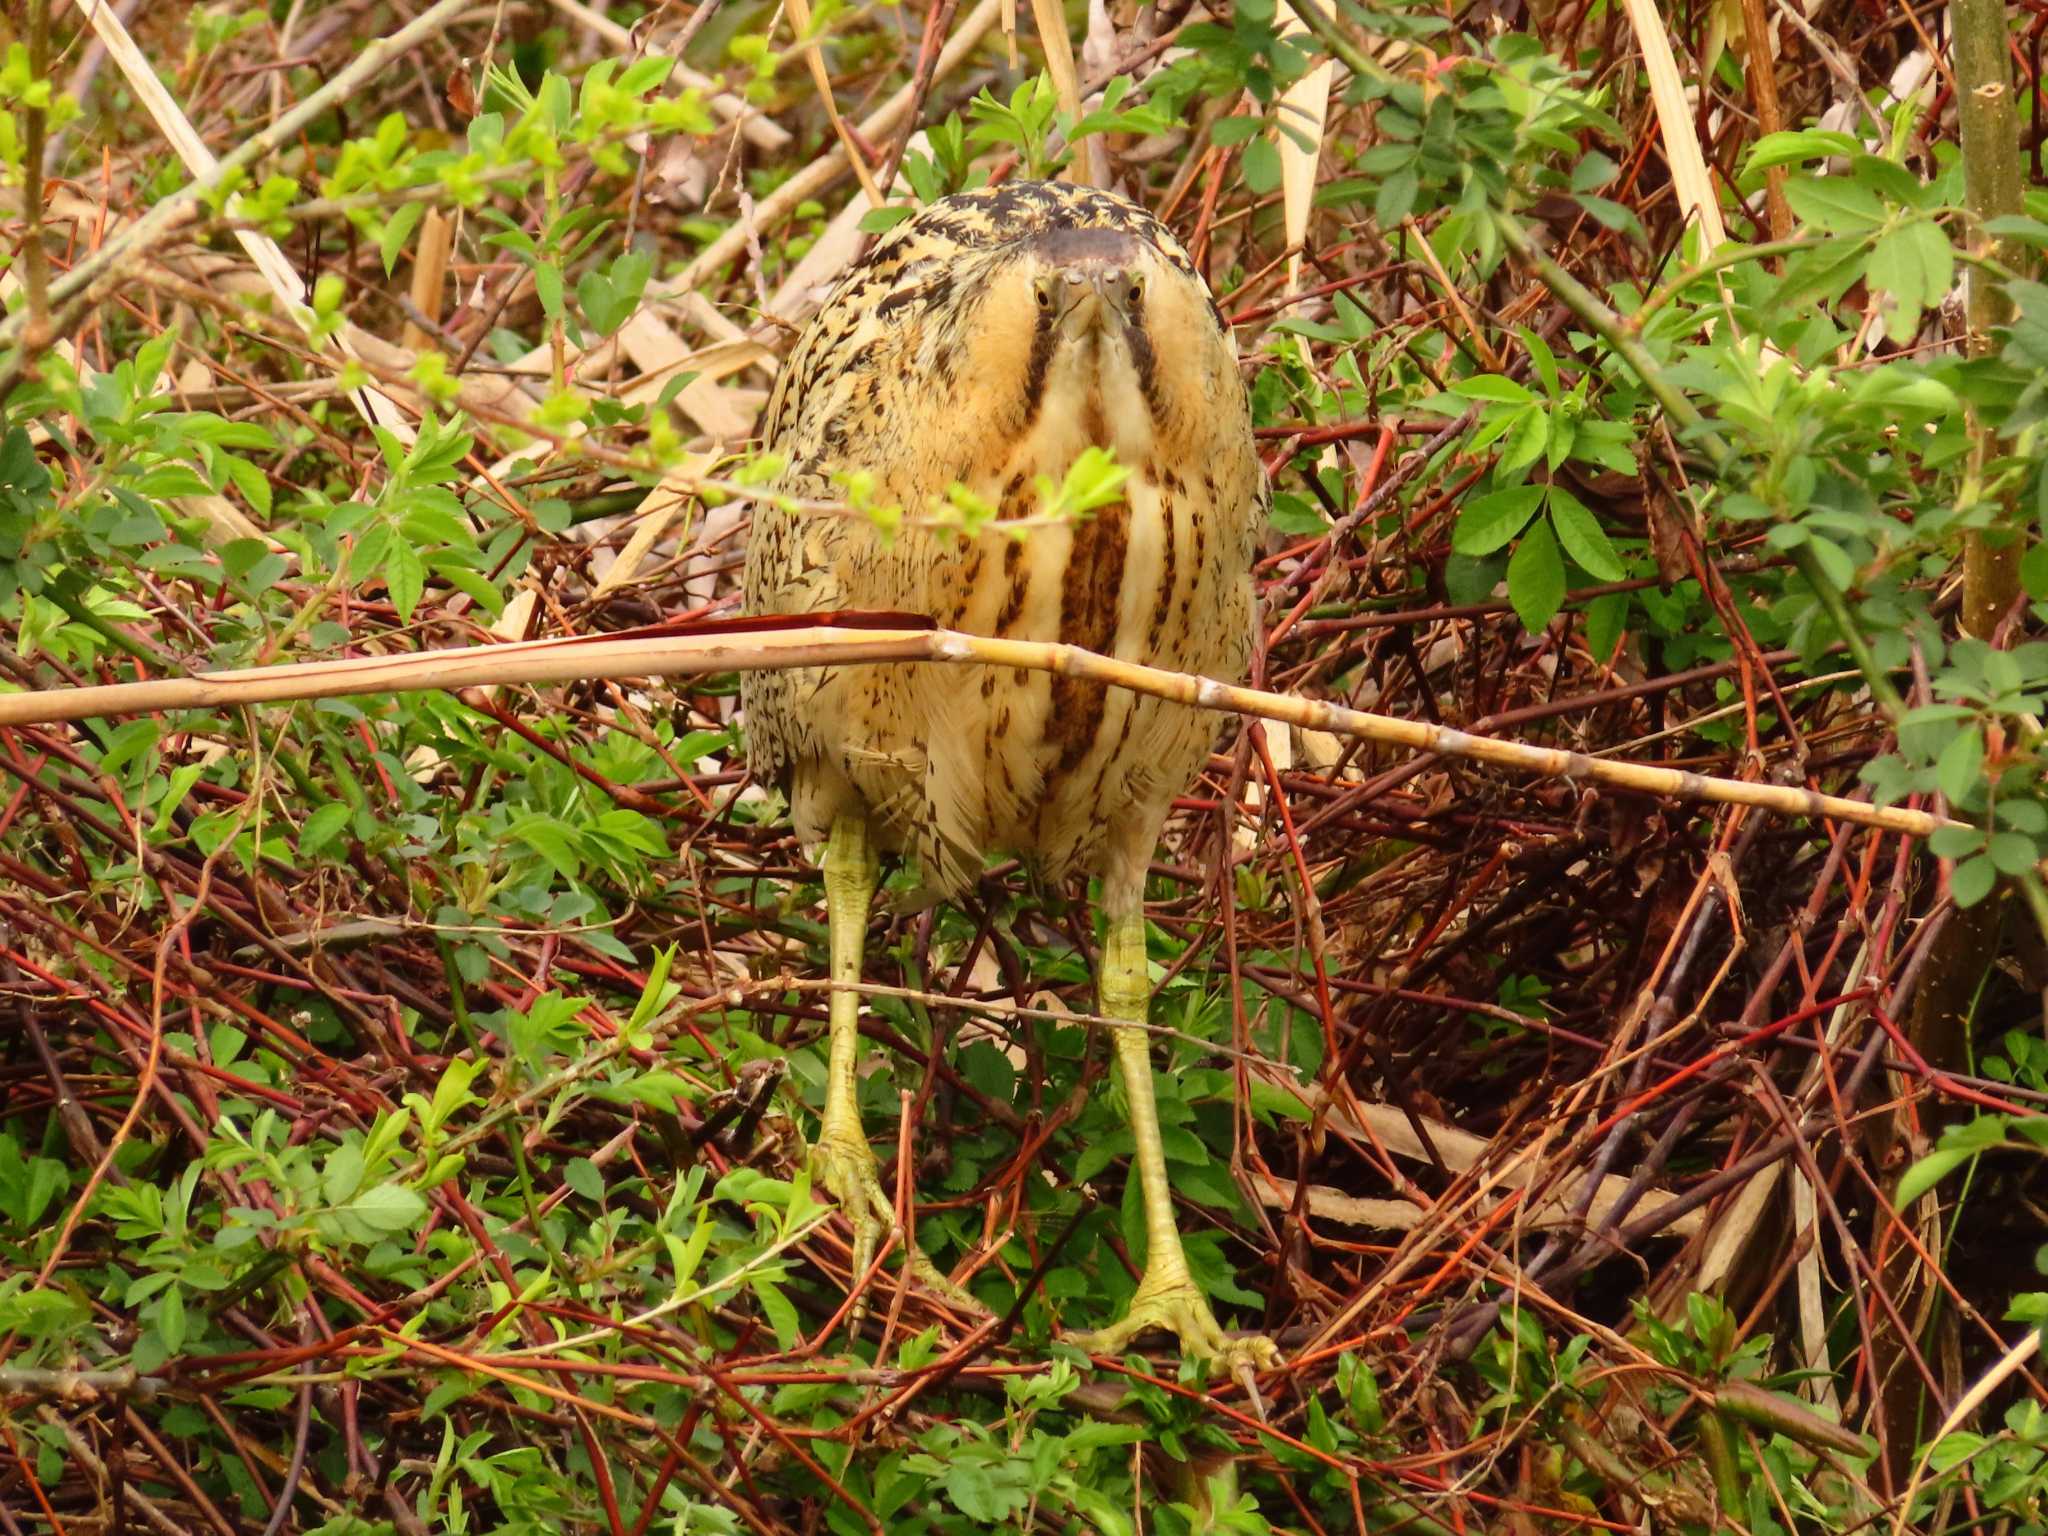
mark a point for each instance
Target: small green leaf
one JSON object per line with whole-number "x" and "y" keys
{"x": 386, "y": 1208}
{"x": 405, "y": 577}
{"x": 1396, "y": 197}
{"x": 1261, "y": 166}
{"x": 1492, "y": 386}
{"x": 170, "y": 1319}
{"x": 1527, "y": 436}
{"x": 1536, "y": 578}
{"x": 1797, "y": 147}
{"x": 2034, "y": 567}
{"x": 2013, "y": 853}
{"x": 1928, "y": 1172}
{"x": 584, "y": 1177}
{"x": 322, "y": 827}
{"x": 1960, "y": 768}
{"x": 1973, "y": 880}
{"x": 1583, "y": 538}
{"x": 879, "y": 220}
{"x": 1486, "y": 523}
{"x": 779, "y": 1311}
{"x": 1834, "y": 560}
{"x": 1914, "y": 265}
{"x": 1605, "y": 618}
{"x": 1541, "y": 358}
{"x": 2022, "y": 815}
{"x": 397, "y": 230}
{"x": 1955, "y": 842}
{"x": 1835, "y": 204}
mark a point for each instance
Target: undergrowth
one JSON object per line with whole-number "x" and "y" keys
{"x": 401, "y": 1097}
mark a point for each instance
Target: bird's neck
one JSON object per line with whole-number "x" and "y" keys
{"x": 1092, "y": 400}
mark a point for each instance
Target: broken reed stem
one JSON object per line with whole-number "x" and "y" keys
{"x": 645, "y": 654}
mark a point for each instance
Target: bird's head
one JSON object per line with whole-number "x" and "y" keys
{"x": 1085, "y": 282}
{"x": 1101, "y": 322}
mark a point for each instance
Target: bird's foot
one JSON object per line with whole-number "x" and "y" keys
{"x": 1173, "y": 1302}
{"x": 844, "y": 1166}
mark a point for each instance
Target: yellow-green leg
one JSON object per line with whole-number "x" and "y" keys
{"x": 1167, "y": 1295}
{"x": 842, "y": 1162}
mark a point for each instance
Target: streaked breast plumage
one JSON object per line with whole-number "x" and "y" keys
{"x": 987, "y": 342}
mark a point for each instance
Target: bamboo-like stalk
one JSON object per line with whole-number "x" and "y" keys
{"x": 655, "y": 654}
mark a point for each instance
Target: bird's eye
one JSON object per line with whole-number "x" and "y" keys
{"x": 1044, "y": 299}
{"x": 1137, "y": 292}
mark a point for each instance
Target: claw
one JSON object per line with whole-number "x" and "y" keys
{"x": 1178, "y": 1307}
{"x": 844, "y": 1166}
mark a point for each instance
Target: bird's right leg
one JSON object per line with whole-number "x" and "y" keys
{"x": 842, "y": 1161}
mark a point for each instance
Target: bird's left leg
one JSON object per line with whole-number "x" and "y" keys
{"x": 1167, "y": 1296}
{"x": 842, "y": 1161}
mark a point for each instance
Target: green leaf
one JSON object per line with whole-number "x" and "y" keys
{"x": 1583, "y": 539}
{"x": 1262, "y": 166}
{"x": 1492, "y": 386}
{"x": 343, "y": 1174}
{"x": 1609, "y": 214}
{"x": 977, "y": 1494}
{"x": 1835, "y": 204}
{"x": 1955, "y": 842}
{"x": 1605, "y": 618}
{"x": 584, "y": 1177}
{"x": 1841, "y": 570}
{"x": 657, "y": 1090}
{"x": 1960, "y": 768}
{"x": 405, "y": 577}
{"x": 386, "y": 1208}
{"x": 879, "y": 220}
{"x": 1914, "y": 265}
{"x": 1928, "y": 1172}
{"x": 2013, "y": 853}
{"x": 170, "y": 1319}
{"x": 547, "y": 284}
{"x": 1795, "y": 148}
{"x": 322, "y": 827}
{"x": 1536, "y": 578}
{"x": 1485, "y": 523}
{"x": 397, "y": 230}
{"x": 1541, "y": 358}
{"x": 2022, "y": 815}
{"x": 685, "y": 1256}
{"x": 779, "y": 1311}
{"x": 1396, "y": 197}
{"x": 1973, "y": 880}
{"x": 1892, "y": 182}
{"x": 1527, "y": 436}
{"x": 2034, "y": 567}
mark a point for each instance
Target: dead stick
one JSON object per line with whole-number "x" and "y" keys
{"x": 816, "y": 645}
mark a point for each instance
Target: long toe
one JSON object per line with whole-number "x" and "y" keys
{"x": 846, "y": 1170}
{"x": 1184, "y": 1312}
{"x": 847, "y": 1173}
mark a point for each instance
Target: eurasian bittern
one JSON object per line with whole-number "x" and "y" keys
{"x": 984, "y": 343}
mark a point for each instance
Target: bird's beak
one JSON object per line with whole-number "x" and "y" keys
{"x": 1095, "y": 298}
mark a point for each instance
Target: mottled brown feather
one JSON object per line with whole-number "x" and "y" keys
{"x": 929, "y": 366}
